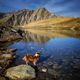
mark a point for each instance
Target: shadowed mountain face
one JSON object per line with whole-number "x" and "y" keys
{"x": 2, "y": 15}
{"x": 25, "y": 16}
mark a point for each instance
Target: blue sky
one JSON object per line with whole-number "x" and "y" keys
{"x": 59, "y": 7}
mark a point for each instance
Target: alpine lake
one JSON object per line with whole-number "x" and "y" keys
{"x": 60, "y": 52}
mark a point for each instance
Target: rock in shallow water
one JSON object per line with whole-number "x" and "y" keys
{"x": 21, "y": 72}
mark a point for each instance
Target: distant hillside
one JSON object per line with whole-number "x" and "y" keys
{"x": 64, "y": 23}
{"x": 25, "y": 16}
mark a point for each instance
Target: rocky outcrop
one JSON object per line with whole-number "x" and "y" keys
{"x": 21, "y": 72}
{"x": 6, "y": 58}
{"x": 8, "y": 34}
{"x": 26, "y": 16}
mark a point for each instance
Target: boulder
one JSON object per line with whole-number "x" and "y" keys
{"x": 21, "y": 72}
{"x": 7, "y": 56}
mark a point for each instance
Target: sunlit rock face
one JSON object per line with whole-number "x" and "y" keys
{"x": 20, "y": 72}
{"x": 26, "y": 16}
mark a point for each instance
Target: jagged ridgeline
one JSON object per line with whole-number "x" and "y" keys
{"x": 39, "y": 18}
{"x": 24, "y": 16}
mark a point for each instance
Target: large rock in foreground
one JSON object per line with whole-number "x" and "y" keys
{"x": 21, "y": 72}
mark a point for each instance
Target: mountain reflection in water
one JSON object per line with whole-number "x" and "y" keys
{"x": 30, "y": 37}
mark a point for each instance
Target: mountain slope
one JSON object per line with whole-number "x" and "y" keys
{"x": 26, "y": 16}
{"x": 57, "y": 23}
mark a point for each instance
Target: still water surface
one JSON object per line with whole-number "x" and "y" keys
{"x": 59, "y": 48}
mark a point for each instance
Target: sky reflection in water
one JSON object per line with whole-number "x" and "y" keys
{"x": 56, "y": 47}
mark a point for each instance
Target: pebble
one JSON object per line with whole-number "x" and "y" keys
{"x": 44, "y": 70}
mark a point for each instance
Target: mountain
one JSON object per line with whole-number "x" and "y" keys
{"x": 40, "y": 18}
{"x": 25, "y": 16}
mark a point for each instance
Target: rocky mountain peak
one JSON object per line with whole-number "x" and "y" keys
{"x": 25, "y": 16}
